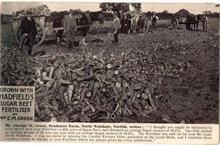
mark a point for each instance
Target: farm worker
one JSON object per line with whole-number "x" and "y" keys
{"x": 29, "y": 31}
{"x": 141, "y": 24}
{"x": 175, "y": 21}
{"x": 69, "y": 26}
{"x": 126, "y": 23}
{"x": 147, "y": 24}
{"x": 116, "y": 26}
{"x": 86, "y": 18}
{"x": 205, "y": 22}
{"x": 154, "y": 20}
{"x": 101, "y": 18}
{"x": 134, "y": 21}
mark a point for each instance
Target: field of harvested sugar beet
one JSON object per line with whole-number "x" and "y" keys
{"x": 165, "y": 75}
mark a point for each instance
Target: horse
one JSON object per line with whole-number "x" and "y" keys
{"x": 192, "y": 22}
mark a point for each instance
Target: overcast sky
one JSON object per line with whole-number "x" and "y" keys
{"x": 9, "y": 7}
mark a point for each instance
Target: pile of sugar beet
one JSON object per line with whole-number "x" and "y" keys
{"x": 92, "y": 88}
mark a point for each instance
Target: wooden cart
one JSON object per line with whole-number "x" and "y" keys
{"x": 50, "y": 27}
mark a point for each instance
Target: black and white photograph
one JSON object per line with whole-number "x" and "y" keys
{"x": 108, "y": 62}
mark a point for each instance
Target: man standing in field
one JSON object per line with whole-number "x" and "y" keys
{"x": 126, "y": 24}
{"x": 69, "y": 26}
{"x": 134, "y": 21}
{"x": 87, "y": 20}
{"x": 204, "y": 22}
{"x": 154, "y": 20}
{"x": 147, "y": 24}
{"x": 101, "y": 18}
{"x": 29, "y": 31}
{"x": 116, "y": 26}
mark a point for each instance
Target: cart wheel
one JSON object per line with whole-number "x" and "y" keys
{"x": 39, "y": 37}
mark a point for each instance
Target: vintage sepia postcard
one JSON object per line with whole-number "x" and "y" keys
{"x": 109, "y": 72}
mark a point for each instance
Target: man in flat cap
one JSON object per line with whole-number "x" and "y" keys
{"x": 69, "y": 26}
{"x": 29, "y": 31}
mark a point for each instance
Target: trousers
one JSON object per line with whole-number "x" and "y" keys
{"x": 116, "y": 35}
{"x": 70, "y": 37}
{"x": 28, "y": 41}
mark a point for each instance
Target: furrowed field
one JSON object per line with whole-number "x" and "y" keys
{"x": 190, "y": 97}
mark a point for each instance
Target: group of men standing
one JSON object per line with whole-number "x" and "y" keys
{"x": 128, "y": 24}
{"x": 29, "y": 29}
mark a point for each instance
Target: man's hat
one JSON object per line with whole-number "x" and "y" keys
{"x": 28, "y": 12}
{"x": 71, "y": 10}
{"x": 115, "y": 14}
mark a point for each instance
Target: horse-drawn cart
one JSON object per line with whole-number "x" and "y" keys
{"x": 50, "y": 27}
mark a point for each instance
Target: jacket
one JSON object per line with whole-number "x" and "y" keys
{"x": 117, "y": 23}
{"x": 69, "y": 23}
{"x": 28, "y": 26}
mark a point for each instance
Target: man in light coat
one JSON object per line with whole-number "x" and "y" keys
{"x": 117, "y": 27}
{"x": 69, "y": 26}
